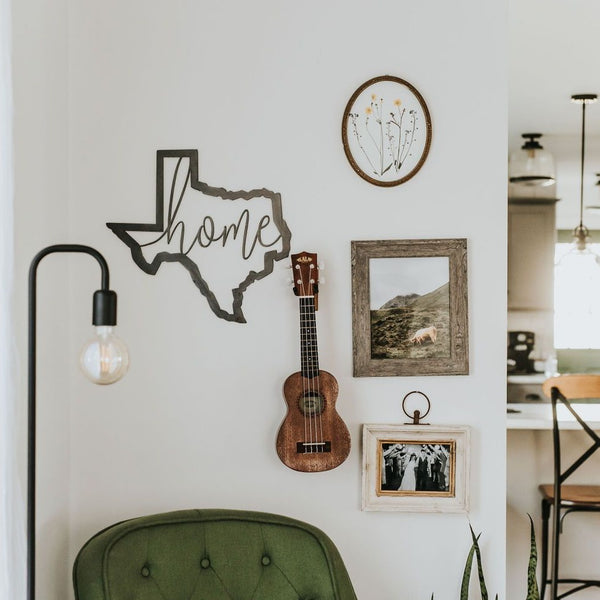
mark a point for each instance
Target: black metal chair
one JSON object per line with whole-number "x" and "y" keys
{"x": 559, "y": 499}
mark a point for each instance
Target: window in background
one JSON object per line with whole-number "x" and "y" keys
{"x": 576, "y": 298}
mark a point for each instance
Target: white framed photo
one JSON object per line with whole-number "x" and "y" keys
{"x": 416, "y": 468}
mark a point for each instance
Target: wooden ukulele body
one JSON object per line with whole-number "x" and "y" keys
{"x": 312, "y": 436}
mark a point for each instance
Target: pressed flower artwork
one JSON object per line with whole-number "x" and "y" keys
{"x": 386, "y": 131}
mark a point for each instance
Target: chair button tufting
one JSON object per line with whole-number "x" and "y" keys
{"x": 205, "y": 563}
{"x": 145, "y": 571}
{"x": 266, "y": 561}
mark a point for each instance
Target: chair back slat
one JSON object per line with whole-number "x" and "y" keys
{"x": 576, "y": 464}
{"x": 574, "y": 387}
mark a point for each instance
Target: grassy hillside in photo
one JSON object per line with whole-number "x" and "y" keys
{"x": 396, "y": 322}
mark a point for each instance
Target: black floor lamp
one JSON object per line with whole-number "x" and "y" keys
{"x": 103, "y": 360}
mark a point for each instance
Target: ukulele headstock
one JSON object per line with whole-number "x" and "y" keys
{"x": 305, "y": 274}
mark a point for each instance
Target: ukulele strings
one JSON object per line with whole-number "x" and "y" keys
{"x": 308, "y": 331}
{"x": 317, "y": 376}
{"x": 303, "y": 360}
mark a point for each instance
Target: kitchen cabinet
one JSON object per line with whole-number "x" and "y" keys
{"x": 531, "y": 241}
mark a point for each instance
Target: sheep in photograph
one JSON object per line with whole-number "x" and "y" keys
{"x": 423, "y": 334}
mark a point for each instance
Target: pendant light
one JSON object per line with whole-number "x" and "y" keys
{"x": 581, "y": 233}
{"x": 531, "y": 165}
{"x": 577, "y": 276}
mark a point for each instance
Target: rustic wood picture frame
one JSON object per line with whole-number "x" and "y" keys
{"x": 453, "y": 472}
{"x": 451, "y": 355}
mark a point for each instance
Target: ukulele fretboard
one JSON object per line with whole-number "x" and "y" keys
{"x": 309, "y": 352}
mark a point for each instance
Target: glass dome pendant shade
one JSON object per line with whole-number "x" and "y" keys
{"x": 531, "y": 165}
{"x": 104, "y": 358}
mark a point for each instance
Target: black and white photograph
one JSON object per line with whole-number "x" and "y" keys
{"x": 416, "y": 468}
{"x": 409, "y": 307}
{"x": 408, "y": 468}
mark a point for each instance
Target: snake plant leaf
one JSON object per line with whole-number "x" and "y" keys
{"x": 482, "y": 586}
{"x": 533, "y": 592}
{"x": 464, "y": 587}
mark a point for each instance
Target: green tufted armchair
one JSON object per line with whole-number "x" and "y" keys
{"x": 211, "y": 555}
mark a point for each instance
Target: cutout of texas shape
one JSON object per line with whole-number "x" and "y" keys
{"x": 218, "y": 235}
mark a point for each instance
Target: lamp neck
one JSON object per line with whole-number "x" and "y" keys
{"x": 77, "y": 248}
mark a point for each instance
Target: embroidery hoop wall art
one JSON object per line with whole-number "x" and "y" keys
{"x": 386, "y": 131}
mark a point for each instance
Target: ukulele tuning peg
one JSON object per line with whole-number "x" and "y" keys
{"x": 321, "y": 265}
{"x": 321, "y": 280}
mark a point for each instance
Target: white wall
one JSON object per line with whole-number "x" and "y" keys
{"x": 41, "y": 205}
{"x": 259, "y": 88}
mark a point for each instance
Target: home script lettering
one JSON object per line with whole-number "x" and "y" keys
{"x": 225, "y": 239}
{"x": 208, "y": 233}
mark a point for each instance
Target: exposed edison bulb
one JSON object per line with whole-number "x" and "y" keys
{"x": 104, "y": 359}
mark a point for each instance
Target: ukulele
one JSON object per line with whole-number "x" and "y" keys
{"x": 313, "y": 436}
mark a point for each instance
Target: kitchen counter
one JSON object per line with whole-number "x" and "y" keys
{"x": 539, "y": 416}
{"x": 527, "y": 378}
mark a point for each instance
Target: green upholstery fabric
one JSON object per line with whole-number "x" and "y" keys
{"x": 211, "y": 555}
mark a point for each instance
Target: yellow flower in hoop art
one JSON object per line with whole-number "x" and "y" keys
{"x": 369, "y": 110}
{"x": 373, "y": 96}
{"x": 397, "y": 102}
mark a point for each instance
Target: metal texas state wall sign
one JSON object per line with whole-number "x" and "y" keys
{"x": 225, "y": 239}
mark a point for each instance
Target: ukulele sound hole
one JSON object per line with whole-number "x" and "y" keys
{"x": 311, "y": 404}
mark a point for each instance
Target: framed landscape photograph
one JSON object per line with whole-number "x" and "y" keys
{"x": 416, "y": 468}
{"x": 409, "y": 307}
{"x": 386, "y": 131}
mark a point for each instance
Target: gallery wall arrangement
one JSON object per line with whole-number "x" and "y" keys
{"x": 409, "y": 299}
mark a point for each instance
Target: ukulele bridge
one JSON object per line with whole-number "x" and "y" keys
{"x": 312, "y": 447}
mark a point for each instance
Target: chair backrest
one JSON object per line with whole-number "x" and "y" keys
{"x": 211, "y": 554}
{"x": 564, "y": 388}
{"x": 574, "y": 387}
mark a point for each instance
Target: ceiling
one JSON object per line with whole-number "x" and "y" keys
{"x": 554, "y": 52}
